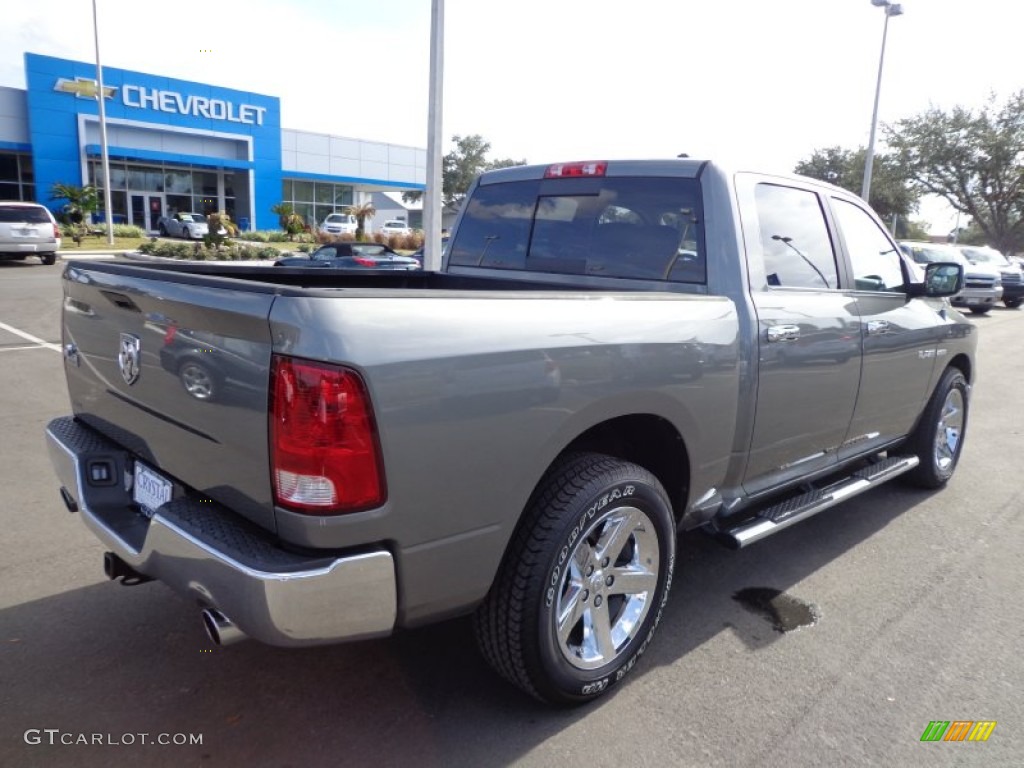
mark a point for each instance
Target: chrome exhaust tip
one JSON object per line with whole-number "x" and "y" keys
{"x": 220, "y": 629}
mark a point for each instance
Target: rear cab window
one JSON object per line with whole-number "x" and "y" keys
{"x": 645, "y": 228}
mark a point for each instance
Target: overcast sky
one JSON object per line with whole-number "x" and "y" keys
{"x": 754, "y": 83}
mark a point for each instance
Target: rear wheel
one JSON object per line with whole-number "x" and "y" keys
{"x": 48, "y": 258}
{"x": 582, "y": 587}
{"x": 980, "y": 310}
{"x": 1012, "y": 303}
{"x": 197, "y": 380}
{"x": 938, "y": 438}
{"x": 186, "y": 233}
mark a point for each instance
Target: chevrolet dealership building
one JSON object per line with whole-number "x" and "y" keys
{"x": 176, "y": 145}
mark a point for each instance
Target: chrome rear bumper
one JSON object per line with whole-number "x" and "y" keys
{"x": 206, "y": 553}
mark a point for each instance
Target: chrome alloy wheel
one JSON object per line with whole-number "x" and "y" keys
{"x": 949, "y": 430}
{"x": 197, "y": 381}
{"x": 608, "y": 587}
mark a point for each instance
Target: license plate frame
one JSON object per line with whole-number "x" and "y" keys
{"x": 150, "y": 489}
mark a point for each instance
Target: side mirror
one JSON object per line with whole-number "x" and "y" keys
{"x": 940, "y": 279}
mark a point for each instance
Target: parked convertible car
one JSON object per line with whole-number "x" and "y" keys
{"x": 352, "y": 256}
{"x": 191, "y": 226}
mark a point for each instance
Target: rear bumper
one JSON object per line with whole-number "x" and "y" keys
{"x": 36, "y": 247}
{"x": 206, "y": 553}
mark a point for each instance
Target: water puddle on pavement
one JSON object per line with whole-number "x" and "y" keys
{"x": 785, "y": 613}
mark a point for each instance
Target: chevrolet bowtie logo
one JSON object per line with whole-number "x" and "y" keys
{"x": 83, "y": 88}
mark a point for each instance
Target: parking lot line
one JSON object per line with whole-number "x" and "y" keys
{"x": 29, "y": 337}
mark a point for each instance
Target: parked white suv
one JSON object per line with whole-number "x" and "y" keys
{"x": 340, "y": 224}
{"x": 395, "y": 227}
{"x": 28, "y": 228}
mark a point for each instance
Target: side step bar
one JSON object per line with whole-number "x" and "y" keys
{"x": 784, "y": 514}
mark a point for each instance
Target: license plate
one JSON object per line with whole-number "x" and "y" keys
{"x": 150, "y": 490}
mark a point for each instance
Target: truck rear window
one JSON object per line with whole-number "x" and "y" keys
{"x": 641, "y": 228}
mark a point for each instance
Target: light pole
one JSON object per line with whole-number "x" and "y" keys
{"x": 432, "y": 196}
{"x": 891, "y": 9}
{"x": 104, "y": 150}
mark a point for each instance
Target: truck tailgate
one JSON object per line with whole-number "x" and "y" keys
{"x": 177, "y": 372}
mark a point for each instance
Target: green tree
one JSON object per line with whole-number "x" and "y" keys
{"x": 81, "y": 201}
{"x": 461, "y": 166}
{"x": 974, "y": 159}
{"x": 892, "y": 190}
{"x": 362, "y": 213}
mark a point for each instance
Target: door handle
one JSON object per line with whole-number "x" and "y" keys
{"x": 783, "y": 333}
{"x": 878, "y": 327}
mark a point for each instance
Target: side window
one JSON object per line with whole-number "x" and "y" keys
{"x": 324, "y": 254}
{"x": 875, "y": 261}
{"x": 797, "y": 248}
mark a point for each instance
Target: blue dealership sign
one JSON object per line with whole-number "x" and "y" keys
{"x": 151, "y": 119}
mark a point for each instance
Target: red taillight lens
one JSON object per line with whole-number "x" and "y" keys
{"x": 56, "y": 232}
{"x": 169, "y": 334}
{"x": 363, "y": 261}
{"x": 574, "y": 170}
{"x": 325, "y": 453}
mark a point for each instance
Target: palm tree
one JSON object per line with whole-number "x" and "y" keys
{"x": 362, "y": 213}
{"x": 81, "y": 200}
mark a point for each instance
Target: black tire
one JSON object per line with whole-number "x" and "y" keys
{"x": 938, "y": 438}
{"x": 980, "y": 310}
{"x": 555, "y": 563}
{"x": 163, "y": 230}
{"x": 48, "y": 258}
{"x": 1012, "y": 303}
{"x": 186, "y": 233}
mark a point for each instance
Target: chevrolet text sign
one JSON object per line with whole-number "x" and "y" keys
{"x": 171, "y": 101}
{"x": 140, "y": 97}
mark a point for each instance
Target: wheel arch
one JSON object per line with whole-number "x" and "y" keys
{"x": 646, "y": 439}
{"x": 963, "y": 363}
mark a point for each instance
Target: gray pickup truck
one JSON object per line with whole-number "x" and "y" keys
{"x": 612, "y": 353}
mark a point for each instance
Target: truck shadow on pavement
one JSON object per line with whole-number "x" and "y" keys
{"x": 110, "y": 660}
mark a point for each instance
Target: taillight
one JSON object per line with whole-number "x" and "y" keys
{"x": 363, "y": 261}
{"x": 169, "y": 334}
{"x": 56, "y": 232}
{"x": 573, "y": 170}
{"x": 325, "y": 452}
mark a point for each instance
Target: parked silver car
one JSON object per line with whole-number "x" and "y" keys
{"x": 191, "y": 226}
{"x": 28, "y": 229}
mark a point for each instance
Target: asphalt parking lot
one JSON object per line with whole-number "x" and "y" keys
{"x": 916, "y": 598}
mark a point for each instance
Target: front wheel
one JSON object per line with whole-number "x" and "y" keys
{"x": 938, "y": 438}
{"x": 186, "y": 233}
{"x": 1012, "y": 303}
{"x": 980, "y": 310}
{"x": 581, "y": 589}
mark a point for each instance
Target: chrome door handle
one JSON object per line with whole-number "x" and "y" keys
{"x": 877, "y": 327}
{"x": 783, "y": 333}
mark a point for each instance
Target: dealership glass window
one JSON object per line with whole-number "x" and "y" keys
{"x": 178, "y": 182}
{"x": 205, "y": 183}
{"x": 16, "y": 177}
{"x": 229, "y": 185}
{"x": 303, "y": 192}
{"x": 324, "y": 193}
{"x": 314, "y": 200}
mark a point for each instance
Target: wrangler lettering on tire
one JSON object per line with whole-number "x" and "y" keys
{"x": 582, "y": 586}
